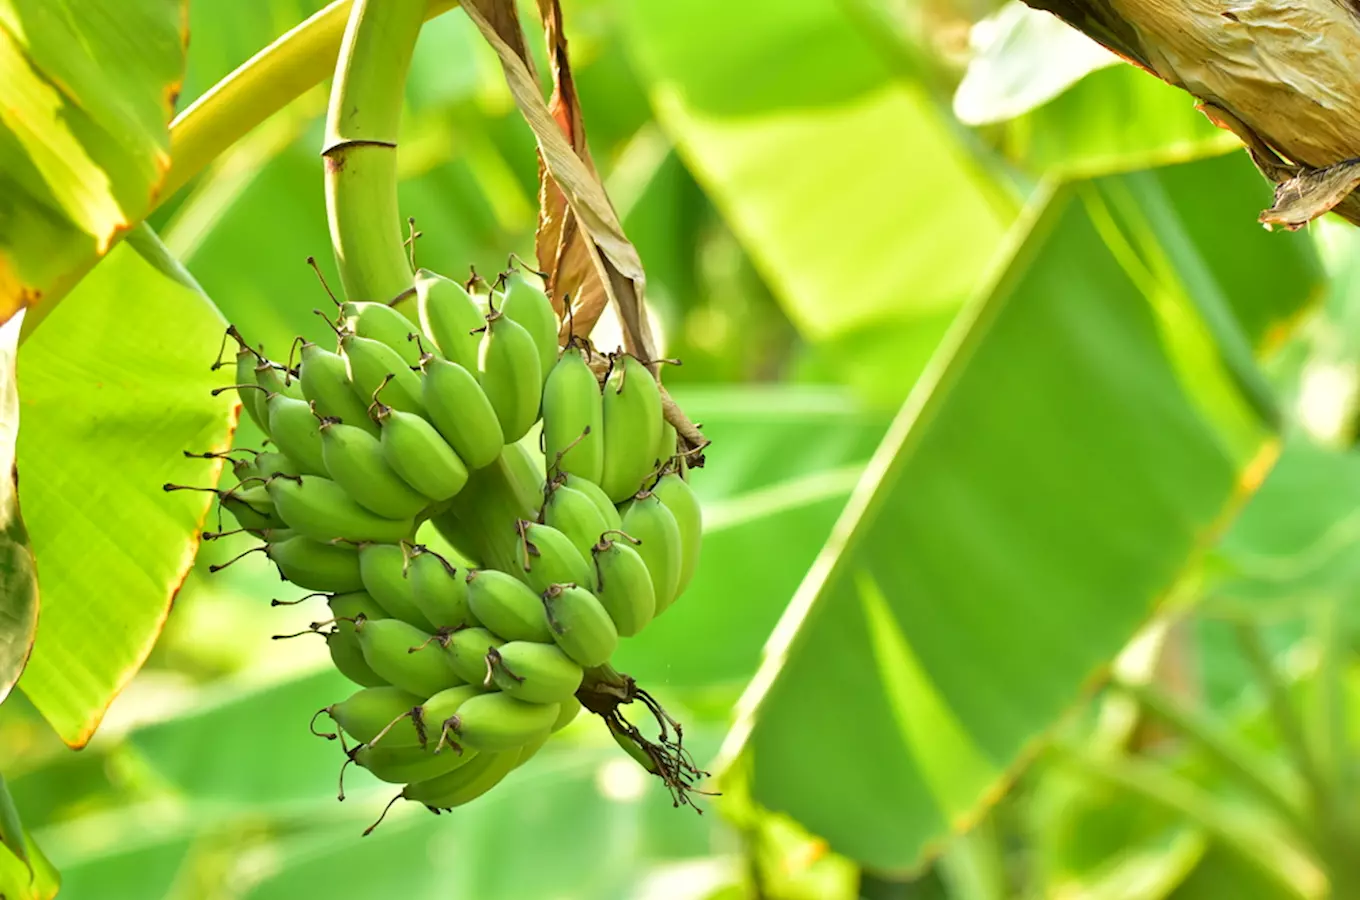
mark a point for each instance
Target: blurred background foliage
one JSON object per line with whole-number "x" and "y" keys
{"x": 827, "y": 196}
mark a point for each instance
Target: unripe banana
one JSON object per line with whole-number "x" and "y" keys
{"x": 382, "y": 323}
{"x": 530, "y": 750}
{"x": 252, "y": 507}
{"x": 632, "y": 748}
{"x": 405, "y": 765}
{"x": 534, "y": 673}
{"x": 252, "y": 400}
{"x": 464, "y": 784}
{"x": 386, "y": 578}
{"x": 531, "y": 308}
{"x": 316, "y": 566}
{"x": 598, "y": 497}
{"x": 450, "y": 317}
{"x": 510, "y": 374}
{"x": 573, "y": 418}
{"x": 354, "y": 460}
{"x": 322, "y": 510}
{"x": 496, "y": 722}
{"x": 625, "y": 586}
{"x": 325, "y": 382}
{"x": 467, "y": 649}
{"x": 570, "y": 708}
{"x": 343, "y": 644}
{"x": 275, "y": 380}
{"x": 370, "y": 363}
{"x": 276, "y": 535}
{"x": 575, "y": 515}
{"x": 507, "y": 606}
{"x": 268, "y": 463}
{"x": 368, "y": 712}
{"x": 461, "y": 412}
{"x": 679, "y": 498}
{"x": 580, "y": 625}
{"x": 547, "y": 557}
{"x": 669, "y": 446}
{"x": 648, "y": 520}
{"x": 632, "y": 428}
{"x": 407, "y": 657}
{"x": 417, "y": 453}
{"x": 439, "y": 591}
{"x": 435, "y": 713}
{"x": 296, "y": 432}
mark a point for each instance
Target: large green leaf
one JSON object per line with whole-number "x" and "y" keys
{"x": 18, "y": 588}
{"x": 25, "y": 873}
{"x": 848, "y": 186}
{"x": 1073, "y": 451}
{"x": 84, "y": 131}
{"x": 115, "y": 388}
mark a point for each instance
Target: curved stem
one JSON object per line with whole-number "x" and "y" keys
{"x": 361, "y": 147}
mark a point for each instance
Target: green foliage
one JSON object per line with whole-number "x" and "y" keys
{"x": 891, "y": 651}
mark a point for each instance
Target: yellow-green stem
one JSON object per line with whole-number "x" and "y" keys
{"x": 361, "y": 147}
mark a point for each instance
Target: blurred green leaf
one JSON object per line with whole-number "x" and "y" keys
{"x": 115, "y": 387}
{"x": 84, "y": 134}
{"x": 25, "y": 874}
{"x": 848, "y": 187}
{"x": 1022, "y": 59}
{"x": 18, "y": 585}
{"x": 1082, "y": 438}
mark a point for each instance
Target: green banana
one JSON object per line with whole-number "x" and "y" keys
{"x": 632, "y": 748}
{"x": 275, "y": 380}
{"x": 510, "y": 374}
{"x": 632, "y": 428}
{"x": 507, "y": 606}
{"x": 598, "y": 497}
{"x": 252, "y": 400}
{"x": 369, "y": 712}
{"x": 405, "y": 765}
{"x": 405, "y": 656}
{"x": 461, "y": 412}
{"x": 648, "y": 521}
{"x": 679, "y": 498}
{"x": 354, "y": 460}
{"x": 580, "y": 625}
{"x": 530, "y": 750}
{"x": 438, "y": 591}
{"x": 575, "y": 515}
{"x": 625, "y": 586}
{"x": 377, "y": 372}
{"x": 316, "y": 566}
{"x": 467, "y": 649}
{"x": 251, "y": 506}
{"x": 450, "y": 317}
{"x": 325, "y": 382}
{"x": 296, "y": 432}
{"x": 573, "y": 418}
{"x": 464, "y": 784}
{"x": 547, "y": 557}
{"x": 386, "y": 578}
{"x": 570, "y": 708}
{"x": 434, "y": 714}
{"x": 268, "y": 463}
{"x": 669, "y": 446}
{"x": 342, "y": 642}
{"x": 382, "y": 323}
{"x": 322, "y": 510}
{"x": 495, "y": 722}
{"x": 417, "y": 453}
{"x": 534, "y": 673}
{"x": 531, "y": 308}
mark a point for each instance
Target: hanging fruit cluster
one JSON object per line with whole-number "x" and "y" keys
{"x": 467, "y": 662}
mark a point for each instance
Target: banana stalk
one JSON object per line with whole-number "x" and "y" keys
{"x": 361, "y": 148}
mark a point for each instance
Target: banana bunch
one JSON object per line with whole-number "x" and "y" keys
{"x": 467, "y": 662}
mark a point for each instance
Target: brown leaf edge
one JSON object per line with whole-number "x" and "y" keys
{"x": 18, "y": 571}
{"x": 587, "y": 216}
